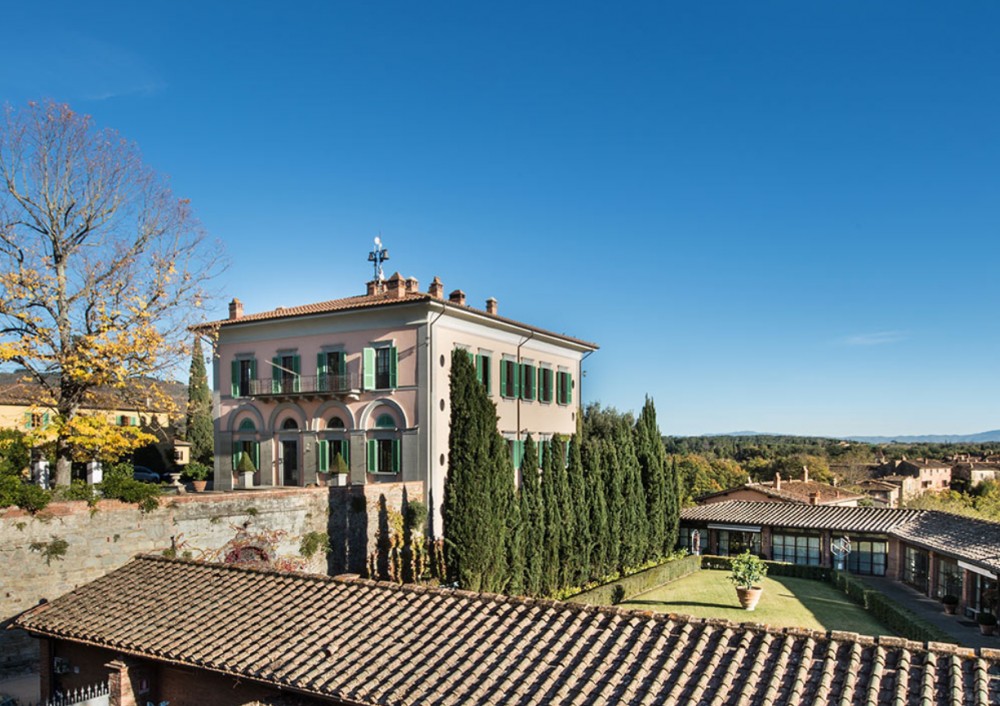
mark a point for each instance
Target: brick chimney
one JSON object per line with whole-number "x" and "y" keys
{"x": 457, "y": 297}
{"x": 436, "y": 289}
{"x": 777, "y": 481}
{"x": 491, "y": 306}
{"x": 396, "y": 286}
{"x": 814, "y": 498}
{"x": 805, "y": 474}
{"x": 235, "y": 309}
{"x": 374, "y": 287}
{"x": 412, "y": 286}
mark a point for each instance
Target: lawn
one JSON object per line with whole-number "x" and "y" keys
{"x": 786, "y": 602}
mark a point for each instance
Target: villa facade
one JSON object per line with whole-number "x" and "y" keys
{"x": 367, "y": 377}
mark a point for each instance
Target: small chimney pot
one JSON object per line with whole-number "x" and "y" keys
{"x": 457, "y": 297}
{"x": 491, "y": 306}
{"x": 777, "y": 481}
{"x": 436, "y": 289}
{"x": 235, "y": 309}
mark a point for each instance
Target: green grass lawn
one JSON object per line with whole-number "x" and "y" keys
{"x": 786, "y": 602}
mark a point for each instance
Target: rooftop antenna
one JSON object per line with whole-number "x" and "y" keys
{"x": 377, "y": 257}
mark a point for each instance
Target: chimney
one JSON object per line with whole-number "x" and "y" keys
{"x": 436, "y": 289}
{"x": 412, "y": 286}
{"x": 457, "y": 297}
{"x": 491, "y": 306}
{"x": 235, "y": 309}
{"x": 373, "y": 288}
{"x": 805, "y": 474}
{"x": 814, "y": 498}
{"x": 777, "y": 481}
{"x": 396, "y": 286}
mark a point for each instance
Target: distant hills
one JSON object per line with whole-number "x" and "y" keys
{"x": 980, "y": 438}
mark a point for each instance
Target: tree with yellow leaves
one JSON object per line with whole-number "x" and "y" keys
{"x": 102, "y": 270}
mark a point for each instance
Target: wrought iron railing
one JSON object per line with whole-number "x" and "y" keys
{"x": 332, "y": 384}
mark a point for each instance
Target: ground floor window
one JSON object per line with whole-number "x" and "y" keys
{"x": 949, "y": 579}
{"x": 915, "y": 568}
{"x": 868, "y": 557}
{"x": 733, "y": 543}
{"x": 796, "y": 549}
{"x": 383, "y": 455}
{"x": 984, "y": 594}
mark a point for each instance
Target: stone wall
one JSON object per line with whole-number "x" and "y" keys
{"x": 101, "y": 539}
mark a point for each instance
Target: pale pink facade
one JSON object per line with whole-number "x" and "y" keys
{"x": 388, "y": 419}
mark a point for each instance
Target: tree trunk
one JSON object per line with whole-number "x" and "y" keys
{"x": 64, "y": 468}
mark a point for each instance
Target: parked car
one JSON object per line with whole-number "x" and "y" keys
{"x": 144, "y": 475}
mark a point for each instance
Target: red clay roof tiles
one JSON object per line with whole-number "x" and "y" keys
{"x": 378, "y": 643}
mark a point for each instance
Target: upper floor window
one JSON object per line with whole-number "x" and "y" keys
{"x": 484, "y": 371}
{"x": 36, "y": 420}
{"x": 125, "y": 420}
{"x": 545, "y": 384}
{"x": 244, "y": 372}
{"x": 380, "y": 368}
{"x": 527, "y": 381}
{"x": 564, "y": 388}
{"x": 510, "y": 379}
{"x": 331, "y": 371}
{"x": 285, "y": 373}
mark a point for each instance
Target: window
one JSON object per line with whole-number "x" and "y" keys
{"x": 734, "y": 543}
{"x": 125, "y": 420}
{"x": 290, "y": 424}
{"x": 516, "y": 448}
{"x": 796, "y": 549}
{"x": 244, "y": 372}
{"x": 336, "y": 423}
{"x": 915, "y": 568}
{"x": 331, "y": 371}
{"x": 248, "y": 425}
{"x": 285, "y": 372}
{"x": 949, "y": 579}
{"x": 545, "y": 384}
{"x": 36, "y": 420}
{"x": 329, "y": 449}
{"x": 868, "y": 557}
{"x": 483, "y": 371}
{"x": 510, "y": 380}
{"x": 527, "y": 381}
{"x": 380, "y": 368}
{"x": 385, "y": 421}
{"x": 383, "y": 455}
{"x": 564, "y": 388}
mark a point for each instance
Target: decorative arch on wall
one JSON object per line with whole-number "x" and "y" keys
{"x": 286, "y": 407}
{"x": 367, "y": 422}
{"x": 333, "y": 409}
{"x": 252, "y": 411}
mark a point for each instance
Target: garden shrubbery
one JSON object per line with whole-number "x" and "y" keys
{"x": 623, "y": 589}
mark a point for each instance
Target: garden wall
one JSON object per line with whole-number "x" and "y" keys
{"x": 102, "y": 538}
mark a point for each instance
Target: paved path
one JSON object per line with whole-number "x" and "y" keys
{"x": 932, "y": 611}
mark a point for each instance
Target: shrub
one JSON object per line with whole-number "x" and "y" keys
{"x": 748, "y": 570}
{"x": 339, "y": 465}
{"x": 635, "y": 584}
{"x": 245, "y": 465}
{"x": 617, "y": 594}
{"x": 120, "y": 485}
{"x": 313, "y": 542}
{"x": 32, "y": 498}
{"x": 56, "y": 549}
{"x": 416, "y": 515}
{"x": 78, "y": 490}
{"x": 10, "y": 486}
{"x": 950, "y": 600}
{"x": 986, "y": 619}
{"x": 197, "y": 471}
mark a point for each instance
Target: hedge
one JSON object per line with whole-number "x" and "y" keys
{"x": 774, "y": 568}
{"x": 623, "y": 589}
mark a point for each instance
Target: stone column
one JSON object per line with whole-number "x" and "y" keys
{"x": 95, "y": 472}
{"x": 45, "y": 655}
{"x": 359, "y": 457}
{"x": 223, "y": 479}
{"x": 410, "y": 457}
{"x": 310, "y": 457}
{"x": 40, "y": 472}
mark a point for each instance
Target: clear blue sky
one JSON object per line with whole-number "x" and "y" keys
{"x": 771, "y": 216}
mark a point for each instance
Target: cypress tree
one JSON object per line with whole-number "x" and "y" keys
{"x": 500, "y": 482}
{"x": 532, "y": 516}
{"x": 634, "y": 525}
{"x": 614, "y": 496}
{"x": 552, "y": 546}
{"x": 581, "y": 513}
{"x": 597, "y": 511}
{"x": 652, "y": 464}
{"x": 199, "y": 430}
{"x": 672, "y": 516}
{"x": 567, "y": 515}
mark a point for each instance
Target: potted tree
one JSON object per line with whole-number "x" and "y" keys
{"x": 748, "y": 572}
{"x": 950, "y": 604}
{"x": 339, "y": 472}
{"x": 198, "y": 474}
{"x": 987, "y": 622}
{"x": 246, "y": 469}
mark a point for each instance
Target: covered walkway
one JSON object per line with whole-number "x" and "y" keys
{"x": 963, "y": 629}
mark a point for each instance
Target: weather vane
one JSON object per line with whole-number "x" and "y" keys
{"x": 377, "y": 257}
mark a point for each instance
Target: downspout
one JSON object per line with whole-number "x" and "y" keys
{"x": 579, "y": 395}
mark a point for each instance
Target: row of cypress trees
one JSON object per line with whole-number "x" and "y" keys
{"x": 606, "y": 502}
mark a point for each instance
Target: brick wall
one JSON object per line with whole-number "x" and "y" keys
{"x": 101, "y": 541}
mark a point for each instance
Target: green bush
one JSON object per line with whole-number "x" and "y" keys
{"x": 748, "y": 570}
{"x": 623, "y": 589}
{"x": 10, "y": 486}
{"x": 78, "y": 490}
{"x": 986, "y": 619}
{"x": 196, "y": 471}
{"x": 416, "y": 515}
{"x": 339, "y": 465}
{"x": 32, "y": 498}
{"x": 774, "y": 568}
{"x": 120, "y": 485}
{"x": 245, "y": 464}
{"x": 313, "y": 542}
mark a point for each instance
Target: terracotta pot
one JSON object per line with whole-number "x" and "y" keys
{"x": 987, "y": 629}
{"x": 951, "y": 608}
{"x": 199, "y": 485}
{"x": 749, "y": 597}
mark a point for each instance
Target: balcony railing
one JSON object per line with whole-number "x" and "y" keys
{"x": 307, "y": 385}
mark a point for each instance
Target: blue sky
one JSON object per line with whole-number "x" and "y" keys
{"x": 771, "y": 216}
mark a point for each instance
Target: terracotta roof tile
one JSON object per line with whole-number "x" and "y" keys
{"x": 371, "y": 643}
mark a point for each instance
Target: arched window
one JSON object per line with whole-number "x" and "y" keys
{"x": 248, "y": 425}
{"x": 290, "y": 424}
{"x": 336, "y": 423}
{"x": 385, "y": 421}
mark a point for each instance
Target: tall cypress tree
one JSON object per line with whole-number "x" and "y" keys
{"x": 672, "y": 516}
{"x": 597, "y": 510}
{"x": 567, "y": 515}
{"x": 552, "y": 546}
{"x": 614, "y": 498}
{"x": 199, "y": 431}
{"x": 634, "y": 526}
{"x": 652, "y": 464}
{"x": 581, "y": 513}
{"x": 533, "y": 519}
{"x": 479, "y": 486}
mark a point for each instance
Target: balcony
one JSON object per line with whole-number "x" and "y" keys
{"x": 306, "y": 387}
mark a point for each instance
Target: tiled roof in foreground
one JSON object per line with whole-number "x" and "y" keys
{"x": 375, "y": 643}
{"x": 832, "y": 517}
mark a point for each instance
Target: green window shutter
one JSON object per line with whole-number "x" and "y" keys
{"x": 395, "y": 455}
{"x": 345, "y": 451}
{"x": 479, "y": 369}
{"x": 538, "y": 381}
{"x": 256, "y": 455}
{"x": 322, "y": 448}
{"x": 372, "y": 456}
{"x": 342, "y": 363}
{"x": 393, "y": 364}
{"x": 276, "y": 375}
{"x": 530, "y": 376}
{"x": 321, "y": 371}
{"x": 234, "y": 382}
{"x": 27, "y": 420}
{"x": 135, "y": 421}
{"x": 516, "y": 369}
{"x": 569, "y": 388}
{"x": 488, "y": 371}
{"x": 503, "y": 377}
{"x": 369, "y": 368}
{"x": 236, "y": 455}
{"x": 297, "y": 369}
{"x": 253, "y": 369}
{"x": 45, "y": 420}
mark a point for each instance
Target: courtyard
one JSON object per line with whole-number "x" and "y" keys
{"x": 786, "y": 602}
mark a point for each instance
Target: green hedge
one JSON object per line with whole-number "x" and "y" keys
{"x": 623, "y": 589}
{"x": 774, "y": 568}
